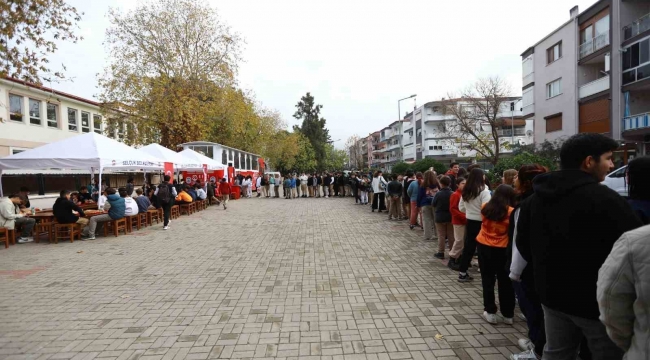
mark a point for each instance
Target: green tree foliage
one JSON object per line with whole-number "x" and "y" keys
{"x": 425, "y": 164}
{"x": 306, "y": 158}
{"x": 335, "y": 159}
{"x": 517, "y": 161}
{"x": 313, "y": 127}
{"x": 401, "y": 168}
{"x": 33, "y": 27}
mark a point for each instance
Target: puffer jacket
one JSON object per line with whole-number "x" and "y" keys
{"x": 9, "y": 212}
{"x": 624, "y": 293}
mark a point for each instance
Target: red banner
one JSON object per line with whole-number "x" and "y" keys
{"x": 169, "y": 169}
{"x": 205, "y": 173}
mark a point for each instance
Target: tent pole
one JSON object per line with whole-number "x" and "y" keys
{"x": 1, "y": 194}
{"x": 99, "y": 187}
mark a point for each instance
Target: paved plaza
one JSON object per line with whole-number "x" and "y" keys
{"x": 268, "y": 278}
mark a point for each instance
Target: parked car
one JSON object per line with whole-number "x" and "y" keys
{"x": 617, "y": 181}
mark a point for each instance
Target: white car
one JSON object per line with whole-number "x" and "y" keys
{"x": 617, "y": 181}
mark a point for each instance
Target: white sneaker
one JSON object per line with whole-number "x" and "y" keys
{"x": 526, "y": 344}
{"x": 508, "y": 321}
{"x": 491, "y": 318}
{"x": 22, "y": 240}
{"x": 526, "y": 355}
{"x": 166, "y": 227}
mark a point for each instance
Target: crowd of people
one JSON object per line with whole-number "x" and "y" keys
{"x": 570, "y": 251}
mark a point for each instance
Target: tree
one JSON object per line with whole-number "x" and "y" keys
{"x": 517, "y": 161}
{"x": 32, "y": 28}
{"x": 306, "y": 158}
{"x": 313, "y": 127}
{"x": 427, "y": 163}
{"x": 173, "y": 64}
{"x": 355, "y": 152}
{"x": 335, "y": 159}
{"x": 282, "y": 155}
{"x": 478, "y": 112}
{"x": 401, "y": 168}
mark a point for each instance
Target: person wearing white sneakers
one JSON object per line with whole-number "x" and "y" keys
{"x": 11, "y": 215}
{"x": 491, "y": 244}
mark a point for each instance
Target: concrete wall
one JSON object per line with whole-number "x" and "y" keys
{"x": 564, "y": 68}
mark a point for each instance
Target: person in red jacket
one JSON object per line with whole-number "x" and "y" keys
{"x": 458, "y": 220}
{"x": 224, "y": 189}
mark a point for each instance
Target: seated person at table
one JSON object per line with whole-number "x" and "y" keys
{"x": 116, "y": 207}
{"x": 190, "y": 190}
{"x": 130, "y": 206}
{"x": 84, "y": 195}
{"x": 200, "y": 193}
{"x": 183, "y": 197}
{"x": 11, "y": 215}
{"x": 143, "y": 202}
{"x": 63, "y": 210}
{"x": 101, "y": 201}
{"x": 24, "y": 198}
{"x": 76, "y": 199}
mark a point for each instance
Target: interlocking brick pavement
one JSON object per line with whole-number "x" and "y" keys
{"x": 268, "y": 278}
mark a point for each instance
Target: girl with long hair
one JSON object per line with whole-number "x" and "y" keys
{"x": 638, "y": 180}
{"x": 458, "y": 220}
{"x": 475, "y": 194}
{"x": 427, "y": 191}
{"x": 492, "y": 242}
{"x": 521, "y": 273}
{"x": 509, "y": 177}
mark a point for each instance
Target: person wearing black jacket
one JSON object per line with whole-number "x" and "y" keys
{"x": 327, "y": 181}
{"x": 567, "y": 229}
{"x": 341, "y": 183}
{"x": 63, "y": 208}
{"x": 406, "y": 199}
{"x": 442, "y": 217}
{"x": 354, "y": 186}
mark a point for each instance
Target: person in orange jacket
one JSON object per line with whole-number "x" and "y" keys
{"x": 183, "y": 197}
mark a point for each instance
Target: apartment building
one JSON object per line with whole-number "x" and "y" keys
{"x": 588, "y": 75}
{"x": 32, "y": 115}
{"x": 391, "y": 138}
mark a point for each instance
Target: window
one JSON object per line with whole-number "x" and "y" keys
{"x": 16, "y": 108}
{"x": 52, "y": 115}
{"x": 586, "y": 34}
{"x": 254, "y": 162}
{"x": 602, "y": 26}
{"x": 15, "y": 150}
{"x": 72, "y": 119}
{"x": 554, "y": 53}
{"x": 554, "y": 88}
{"x": 224, "y": 157}
{"x": 34, "y": 112}
{"x": 237, "y": 164}
{"x": 554, "y": 123}
{"x": 120, "y": 130}
{"x": 85, "y": 122}
{"x": 430, "y": 147}
{"x": 97, "y": 123}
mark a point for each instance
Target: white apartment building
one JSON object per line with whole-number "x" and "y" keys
{"x": 590, "y": 75}
{"x": 32, "y": 115}
{"x": 391, "y": 139}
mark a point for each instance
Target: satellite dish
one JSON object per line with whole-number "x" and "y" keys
{"x": 529, "y": 133}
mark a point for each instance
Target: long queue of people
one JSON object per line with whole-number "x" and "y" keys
{"x": 570, "y": 251}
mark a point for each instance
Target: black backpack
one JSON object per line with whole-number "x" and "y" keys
{"x": 164, "y": 194}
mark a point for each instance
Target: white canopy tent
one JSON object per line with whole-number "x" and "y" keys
{"x": 180, "y": 161}
{"x": 89, "y": 151}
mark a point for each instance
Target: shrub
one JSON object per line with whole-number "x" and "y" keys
{"x": 401, "y": 168}
{"x": 424, "y": 165}
{"x": 517, "y": 161}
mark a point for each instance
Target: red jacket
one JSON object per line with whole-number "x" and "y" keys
{"x": 457, "y": 217}
{"x": 224, "y": 188}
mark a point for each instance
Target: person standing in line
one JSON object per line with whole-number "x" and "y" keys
{"x": 363, "y": 190}
{"x": 266, "y": 186}
{"x": 335, "y": 183}
{"x": 303, "y": 185}
{"x": 406, "y": 200}
{"x": 452, "y": 173}
{"x": 294, "y": 186}
{"x": 458, "y": 220}
{"x": 492, "y": 241}
{"x": 412, "y": 192}
{"x": 332, "y": 183}
{"x": 249, "y": 186}
{"x": 521, "y": 273}
{"x": 475, "y": 195}
{"x": 225, "y": 190}
{"x": 287, "y": 187}
{"x": 318, "y": 182}
{"x": 508, "y": 177}
{"x": 326, "y": 185}
{"x": 394, "y": 190}
{"x": 354, "y": 187}
{"x": 572, "y": 219}
{"x": 378, "y": 186}
{"x": 443, "y": 216}
{"x": 342, "y": 182}
{"x": 310, "y": 187}
{"x": 271, "y": 192}
{"x": 278, "y": 185}
{"x": 623, "y": 293}
{"x": 348, "y": 184}
{"x": 258, "y": 186}
{"x": 430, "y": 186}
{"x": 638, "y": 180}
{"x": 165, "y": 193}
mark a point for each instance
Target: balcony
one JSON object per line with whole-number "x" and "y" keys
{"x": 527, "y": 79}
{"x": 438, "y": 117}
{"x": 639, "y": 26}
{"x": 519, "y": 131}
{"x": 634, "y": 122}
{"x": 528, "y": 109}
{"x": 594, "y": 87}
{"x": 595, "y": 44}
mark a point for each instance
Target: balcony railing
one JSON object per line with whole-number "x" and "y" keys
{"x": 528, "y": 109}
{"x": 527, "y": 79}
{"x": 594, "y": 44}
{"x": 594, "y": 87}
{"x": 508, "y": 132}
{"x": 638, "y": 121}
{"x": 639, "y": 26}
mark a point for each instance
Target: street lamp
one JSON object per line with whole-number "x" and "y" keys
{"x": 399, "y": 112}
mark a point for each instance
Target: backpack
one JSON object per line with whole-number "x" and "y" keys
{"x": 164, "y": 195}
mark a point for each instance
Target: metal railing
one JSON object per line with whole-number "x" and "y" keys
{"x": 508, "y": 132}
{"x": 592, "y": 45}
{"x": 639, "y": 26}
{"x": 638, "y": 121}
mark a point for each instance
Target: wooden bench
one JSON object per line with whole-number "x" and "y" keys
{"x": 186, "y": 208}
{"x": 116, "y": 226}
{"x": 175, "y": 213}
{"x": 66, "y": 232}
{"x": 153, "y": 215}
{"x": 44, "y": 227}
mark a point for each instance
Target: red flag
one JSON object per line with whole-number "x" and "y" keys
{"x": 169, "y": 169}
{"x": 205, "y": 173}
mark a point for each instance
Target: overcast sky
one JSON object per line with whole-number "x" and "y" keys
{"x": 357, "y": 58}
